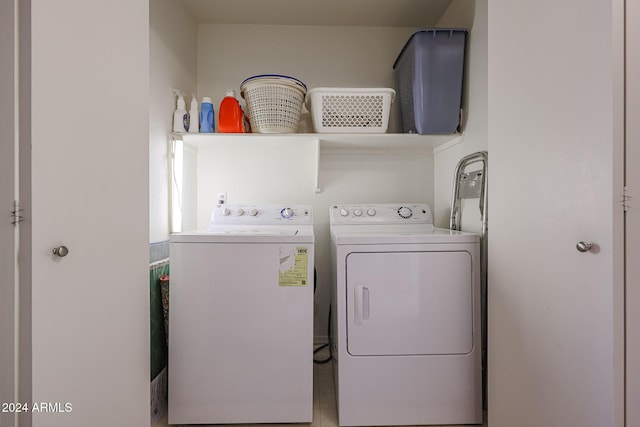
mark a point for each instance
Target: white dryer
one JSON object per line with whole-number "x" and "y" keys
{"x": 241, "y": 318}
{"x": 406, "y": 318}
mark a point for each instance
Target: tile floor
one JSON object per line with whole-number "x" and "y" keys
{"x": 324, "y": 394}
{"x": 324, "y": 401}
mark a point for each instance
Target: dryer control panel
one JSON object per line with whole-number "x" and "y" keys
{"x": 381, "y": 213}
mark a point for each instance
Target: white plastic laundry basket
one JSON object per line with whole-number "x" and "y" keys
{"x": 350, "y": 110}
{"x": 274, "y": 102}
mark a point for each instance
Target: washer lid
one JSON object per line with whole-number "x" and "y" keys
{"x": 248, "y": 234}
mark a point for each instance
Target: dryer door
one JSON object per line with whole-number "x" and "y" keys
{"x": 404, "y": 303}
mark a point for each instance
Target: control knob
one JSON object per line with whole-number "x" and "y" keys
{"x": 371, "y": 212}
{"x": 240, "y": 212}
{"x": 287, "y": 213}
{"x": 344, "y": 212}
{"x": 405, "y": 212}
{"x": 253, "y": 212}
{"x": 357, "y": 212}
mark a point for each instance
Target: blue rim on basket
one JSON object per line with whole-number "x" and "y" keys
{"x": 277, "y": 76}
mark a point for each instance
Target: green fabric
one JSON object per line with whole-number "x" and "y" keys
{"x": 159, "y": 349}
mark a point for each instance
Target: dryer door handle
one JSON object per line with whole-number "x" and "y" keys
{"x": 361, "y": 304}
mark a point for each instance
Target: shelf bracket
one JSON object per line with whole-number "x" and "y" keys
{"x": 317, "y": 166}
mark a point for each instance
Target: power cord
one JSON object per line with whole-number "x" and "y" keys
{"x": 323, "y": 361}
{"x": 322, "y": 346}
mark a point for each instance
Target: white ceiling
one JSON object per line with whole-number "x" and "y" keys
{"x": 394, "y": 13}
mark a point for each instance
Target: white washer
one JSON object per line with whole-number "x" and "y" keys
{"x": 241, "y": 318}
{"x": 406, "y": 318}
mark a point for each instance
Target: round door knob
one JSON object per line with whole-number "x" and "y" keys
{"x": 583, "y": 246}
{"x": 61, "y": 251}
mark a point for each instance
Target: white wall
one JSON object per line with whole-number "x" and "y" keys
{"x": 474, "y": 137}
{"x": 319, "y": 56}
{"x": 365, "y": 56}
{"x": 173, "y": 49}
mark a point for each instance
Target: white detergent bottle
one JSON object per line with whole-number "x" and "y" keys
{"x": 180, "y": 116}
{"x": 194, "y": 118}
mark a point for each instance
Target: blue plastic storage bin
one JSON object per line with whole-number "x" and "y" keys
{"x": 428, "y": 74}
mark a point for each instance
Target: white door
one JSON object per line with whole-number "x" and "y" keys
{"x": 7, "y": 257}
{"x": 555, "y": 342}
{"x": 401, "y": 303}
{"x": 89, "y": 153}
{"x": 633, "y": 213}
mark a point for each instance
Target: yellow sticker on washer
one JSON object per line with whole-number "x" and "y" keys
{"x": 293, "y": 267}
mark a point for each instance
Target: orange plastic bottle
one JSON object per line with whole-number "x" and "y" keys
{"x": 230, "y": 116}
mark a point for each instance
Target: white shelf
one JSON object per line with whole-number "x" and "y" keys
{"x": 322, "y": 142}
{"x": 384, "y": 141}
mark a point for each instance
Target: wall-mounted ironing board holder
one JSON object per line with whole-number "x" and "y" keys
{"x": 473, "y": 185}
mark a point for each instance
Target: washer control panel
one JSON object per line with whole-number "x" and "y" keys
{"x": 377, "y": 213}
{"x": 267, "y": 214}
